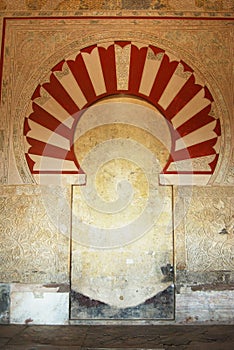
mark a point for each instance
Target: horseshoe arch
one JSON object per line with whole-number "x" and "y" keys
{"x": 127, "y": 68}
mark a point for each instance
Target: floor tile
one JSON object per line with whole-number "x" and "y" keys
{"x": 51, "y": 335}
{"x": 175, "y": 337}
{"x": 9, "y": 331}
{"x": 3, "y": 341}
{"x": 40, "y": 347}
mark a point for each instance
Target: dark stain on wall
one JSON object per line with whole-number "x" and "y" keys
{"x": 4, "y": 303}
{"x": 205, "y": 281}
{"x": 161, "y": 306}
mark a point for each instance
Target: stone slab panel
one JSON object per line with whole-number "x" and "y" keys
{"x": 35, "y": 305}
{"x": 208, "y": 307}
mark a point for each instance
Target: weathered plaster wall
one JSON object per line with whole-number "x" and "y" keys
{"x": 35, "y": 223}
{"x": 122, "y": 218}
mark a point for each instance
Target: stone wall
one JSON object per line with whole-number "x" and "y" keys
{"x": 36, "y": 234}
{"x": 35, "y": 270}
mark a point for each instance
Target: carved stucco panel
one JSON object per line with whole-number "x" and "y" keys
{"x": 34, "y": 229}
{"x": 213, "y": 47}
{"x": 209, "y": 229}
{"x": 180, "y": 205}
{"x": 160, "y": 6}
{"x": 229, "y": 179}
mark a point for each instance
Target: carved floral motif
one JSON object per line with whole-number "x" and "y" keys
{"x": 210, "y": 213}
{"x": 92, "y": 5}
{"x": 32, "y": 249}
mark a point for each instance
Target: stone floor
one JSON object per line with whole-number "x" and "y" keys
{"x": 30, "y": 337}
